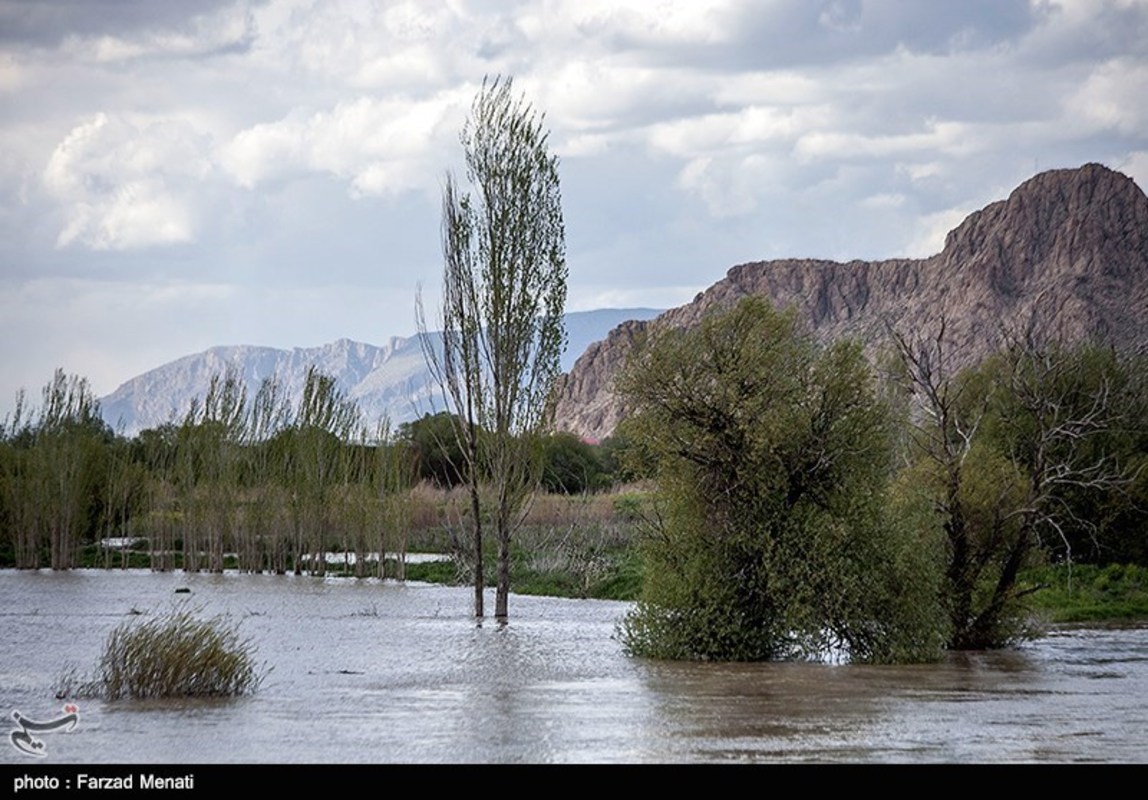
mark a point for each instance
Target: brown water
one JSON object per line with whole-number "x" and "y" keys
{"x": 363, "y": 671}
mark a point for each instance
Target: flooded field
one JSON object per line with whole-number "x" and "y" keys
{"x": 363, "y": 671}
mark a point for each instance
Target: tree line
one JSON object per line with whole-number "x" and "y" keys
{"x": 255, "y": 482}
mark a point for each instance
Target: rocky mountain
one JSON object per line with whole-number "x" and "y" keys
{"x": 391, "y": 380}
{"x": 1066, "y": 253}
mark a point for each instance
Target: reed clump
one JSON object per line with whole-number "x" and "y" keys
{"x": 176, "y": 655}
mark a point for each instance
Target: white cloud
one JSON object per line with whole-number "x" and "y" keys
{"x": 368, "y": 46}
{"x": 731, "y": 187}
{"x": 138, "y": 214}
{"x": 1135, "y": 166}
{"x": 11, "y": 73}
{"x": 884, "y": 200}
{"x": 639, "y": 22}
{"x": 605, "y": 94}
{"x": 121, "y": 182}
{"x": 931, "y": 232}
{"x": 379, "y": 146}
{"x": 949, "y": 137}
{"x": 777, "y": 87}
{"x": 1112, "y": 98}
{"x": 921, "y": 171}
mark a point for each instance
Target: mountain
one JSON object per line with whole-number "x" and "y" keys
{"x": 391, "y": 380}
{"x": 1065, "y": 254}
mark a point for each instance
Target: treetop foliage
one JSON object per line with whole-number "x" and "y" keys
{"x": 504, "y": 281}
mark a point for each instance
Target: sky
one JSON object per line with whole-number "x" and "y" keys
{"x": 179, "y": 174}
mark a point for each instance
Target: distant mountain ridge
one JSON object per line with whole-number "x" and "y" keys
{"x": 388, "y": 381}
{"x": 1066, "y": 253}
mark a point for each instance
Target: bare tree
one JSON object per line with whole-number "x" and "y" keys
{"x": 999, "y": 445}
{"x": 504, "y": 293}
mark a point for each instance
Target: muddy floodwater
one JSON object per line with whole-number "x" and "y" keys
{"x": 369, "y": 672}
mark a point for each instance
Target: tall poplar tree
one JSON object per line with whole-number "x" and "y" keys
{"x": 504, "y": 294}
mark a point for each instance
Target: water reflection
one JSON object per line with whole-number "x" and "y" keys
{"x": 364, "y": 671}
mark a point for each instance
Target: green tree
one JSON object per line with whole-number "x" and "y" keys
{"x": 570, "y": 466}
{"x": 434, "y": 451}
{"x": 316, "y": 466}
{"x": 70, "y": 439}
{"x": 504, "y": 292}
{"x": 772, "y": 537}
{"x": 1010, "y": 454}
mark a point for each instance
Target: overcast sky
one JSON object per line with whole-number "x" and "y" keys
{"x": 178, "y": 174}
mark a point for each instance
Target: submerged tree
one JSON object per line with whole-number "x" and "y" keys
{"x": 771, "y": 456}
{"x": 1008, "y": 453}
{"x": 317, "y": 469}
{"x": 52, "y": 473}
{"x": 504, "y": 292}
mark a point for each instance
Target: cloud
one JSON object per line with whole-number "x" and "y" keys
{"x": 138, "y": 214}
{"x": 117, "y": 31}
{"x": 1112, "y": 98}
{"x": 651, "y": 25}
{"x": 884, "y": 200}
{"x": 932, "y": 230}
{"x": 1135, "y": 166}
{"x": 379, "y": 146}
{"x": 123, "y": 183}
{"x": 11, "y": 73}
{"x": 382, "y": 47}
{"x": 1083, "y": 31}
{"x": 790, "y": 33}
{"x": 934, "y": 136}
{"x": 730, "y": 186}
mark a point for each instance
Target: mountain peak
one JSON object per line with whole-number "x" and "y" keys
{"x": 1092, "y": 195}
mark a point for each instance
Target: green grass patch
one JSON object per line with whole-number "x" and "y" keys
{"x": 624, "y": 581}
{"x": 612, "y": 574}
{"x": 443, "y": 572}
{"x": 1088, "y": 592}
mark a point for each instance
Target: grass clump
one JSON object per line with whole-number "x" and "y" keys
{"x": 174, "y": 655}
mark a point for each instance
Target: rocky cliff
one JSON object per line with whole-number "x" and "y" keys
{"x": 1066, "y": 253}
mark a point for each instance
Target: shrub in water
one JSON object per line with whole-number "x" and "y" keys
{"x": 176, "y": 655}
